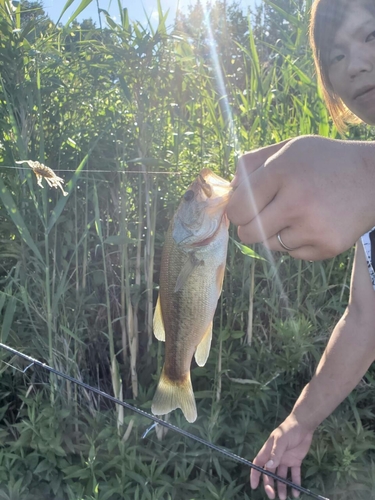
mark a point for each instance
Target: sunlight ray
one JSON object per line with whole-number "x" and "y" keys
{"x": 224, "y": 96}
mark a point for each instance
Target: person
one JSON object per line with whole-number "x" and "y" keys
{"x": 313, "y": 197}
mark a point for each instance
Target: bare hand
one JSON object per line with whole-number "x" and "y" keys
{"x": 286, "y": 447}
{"x": 316, "y": 193}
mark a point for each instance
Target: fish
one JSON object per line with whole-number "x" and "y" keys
{"x": 191, "y": 279}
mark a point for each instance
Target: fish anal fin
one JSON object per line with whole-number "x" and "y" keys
{"x": 171, "y": 395}
{"x": 158, "y": 323}
{"x": 203, "y": 349}
{"x": 191, "y": 263}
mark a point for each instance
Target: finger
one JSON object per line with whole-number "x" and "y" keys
{"x": 251, "y": 161}
{"x": 254, "y": 478}
{"x": 303, "y": 252}
{"x": 260, "y": 460}
{"x": 270, "y": 491}
{"x": 289, "y": 237}
{"x": 296, "y": 478}
{"x": 282, "y": 471}
{"x": 278, "y": 449}
{"x": 252, "y": 195}
{"x": 268, "y": 223}
{"x": 269, "y": 483}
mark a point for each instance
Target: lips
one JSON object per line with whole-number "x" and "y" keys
{"x": 363, "y": 91}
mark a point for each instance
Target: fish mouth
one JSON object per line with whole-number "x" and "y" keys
{"x": 363, "y": 91}
{"x": 219, "y": 202}
{"x": 208, "y": 180}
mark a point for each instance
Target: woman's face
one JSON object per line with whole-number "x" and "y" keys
{"x": 352, "y": 62}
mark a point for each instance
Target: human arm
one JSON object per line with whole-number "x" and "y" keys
{"x": 317, "y": 192}
{"x": 348, "y": 355}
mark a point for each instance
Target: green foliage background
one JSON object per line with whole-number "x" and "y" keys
{"x": 128, "y": 115}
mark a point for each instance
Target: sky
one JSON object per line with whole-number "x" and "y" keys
{"x": 136, "y": 8}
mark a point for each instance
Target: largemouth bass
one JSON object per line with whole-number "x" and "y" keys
{"x": 191, "y": 279}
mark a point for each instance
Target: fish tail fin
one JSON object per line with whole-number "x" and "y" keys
{"x": 172, "y": 394}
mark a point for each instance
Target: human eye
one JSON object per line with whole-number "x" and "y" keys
{"x": 370, "y": 37}
{"x": 336, "y": 58}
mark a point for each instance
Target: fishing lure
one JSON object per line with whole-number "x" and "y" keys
{"x": 43, "y": 172}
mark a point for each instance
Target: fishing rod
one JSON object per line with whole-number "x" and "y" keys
{"x": 159, "y": 421}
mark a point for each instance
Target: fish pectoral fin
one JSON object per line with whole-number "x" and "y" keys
{"x": 158, "y": 323}
{"x": 171, "y": 394}
{"x": 191, "y": 263}
{"x": 203, "y": 349}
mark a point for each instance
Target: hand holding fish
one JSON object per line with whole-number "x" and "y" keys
{"x": 286, "y": 447}
{"x": 313, "y": 194}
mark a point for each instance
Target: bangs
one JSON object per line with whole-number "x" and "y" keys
{"x": 328, "y": 17}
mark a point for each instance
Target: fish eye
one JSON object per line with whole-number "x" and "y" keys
{"x": 189, "y": 195}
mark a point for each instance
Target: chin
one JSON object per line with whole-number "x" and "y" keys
{"x": 368, "y": 117}
{"x": 361, "y": 114}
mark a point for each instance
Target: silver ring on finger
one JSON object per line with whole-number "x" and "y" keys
{"x": 288, "y": 249}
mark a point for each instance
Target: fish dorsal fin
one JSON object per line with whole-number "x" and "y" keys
{"x": 191, "y": 263}
{"x": 158, "y": 322}
{"x": 203, "y": 349}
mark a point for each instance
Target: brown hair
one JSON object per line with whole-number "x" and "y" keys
{"x": 326, "y": 18}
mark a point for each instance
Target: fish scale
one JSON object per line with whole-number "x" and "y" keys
{"x": 197, "y": 299}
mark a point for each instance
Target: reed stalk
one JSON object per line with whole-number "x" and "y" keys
{"x": 150, "y": 273}
{"x": 133, "y": 310}
{"x": 250, "y": 317}
{"x": 124, "y": 278}
{"x": 85, "y": 241}
{"x": 115, "y": 375}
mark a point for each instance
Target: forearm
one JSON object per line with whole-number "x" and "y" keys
{"x": 349, "y": 353}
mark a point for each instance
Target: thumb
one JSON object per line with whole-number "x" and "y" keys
{"x": 251, "y": 161}
{"x": 278, "y": 449}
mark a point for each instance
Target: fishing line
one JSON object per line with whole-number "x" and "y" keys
{"x": 100, "y": 171}
{"x": 157, "y": 420}
{"x": 173, "y": 454}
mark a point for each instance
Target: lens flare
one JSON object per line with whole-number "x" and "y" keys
{"x": 219, "y": 77}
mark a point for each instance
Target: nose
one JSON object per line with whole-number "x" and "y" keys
{"x": 360, "y": 61}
